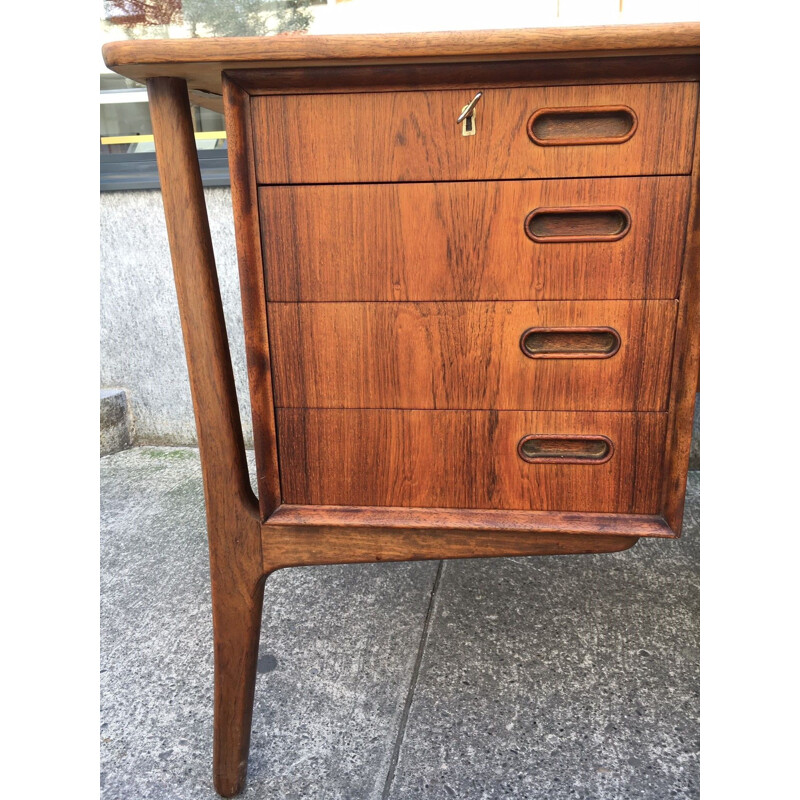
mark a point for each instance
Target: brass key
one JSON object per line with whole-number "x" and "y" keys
{"x": 467, "y": 116}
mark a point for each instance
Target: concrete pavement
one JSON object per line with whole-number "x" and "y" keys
{"x": 557, "y": 677}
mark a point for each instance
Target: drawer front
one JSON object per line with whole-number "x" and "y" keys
{"x": 550, "y": 461}
{"x": 612, "y": 238}
{"x": 610, "y": 355}
{"x": 534, "y": 132}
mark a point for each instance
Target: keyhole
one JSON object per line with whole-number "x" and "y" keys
{"x": 468, "y": 126}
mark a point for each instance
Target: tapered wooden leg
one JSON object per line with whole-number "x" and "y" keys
{"x": 237, "y": 597}
{"x": 237, "y": 624}
{"x": 232, "y": 514}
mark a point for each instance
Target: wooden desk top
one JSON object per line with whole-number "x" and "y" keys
{"x": 201, "y": 61}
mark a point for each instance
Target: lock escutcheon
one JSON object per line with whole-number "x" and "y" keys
{"x": 467, "y": 116}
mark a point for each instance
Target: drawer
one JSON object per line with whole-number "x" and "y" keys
{"x": 610, "y": 238}
{"x": 609, "y": 355}
{"x": 533, "y": 132}
{"x": 602, "y": 462}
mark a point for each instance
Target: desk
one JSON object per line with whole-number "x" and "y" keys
{"x": 469, "y": 276}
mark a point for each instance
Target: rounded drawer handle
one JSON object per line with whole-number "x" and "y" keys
{"x": 582, "y": 125}
{"x": 547, "y": 448}
{"x": 570, "y": 342}
{"x": 578, "y": 224}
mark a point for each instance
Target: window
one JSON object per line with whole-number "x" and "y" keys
{"x": 127, "y": 151}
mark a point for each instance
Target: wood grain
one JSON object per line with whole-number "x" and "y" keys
{"x": 201, "y": 61}
{"x": 466, "y": 241}
{"x": 251, "y": 282}
{"x": 412, "y": 136}
{"x": 302, "y": 535}
{"x": 447, "y": 260}
{"x": 429, "y": 520}
{"x": 234, "y": 531}
{"x": 574, "y": 342}
{"x": 535, "y": 72}
{"x": 578, "y": 224}
{"x": 296, "y": 545}
{"x": 465, "y": 459}
{"x": 553, "y": 127}
{"x": 466, "y": 356}
{"x": 686, "y": 367}
{"x": 548, "y": 448}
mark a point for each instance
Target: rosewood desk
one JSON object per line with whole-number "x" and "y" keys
{"x": 469, "y": 278}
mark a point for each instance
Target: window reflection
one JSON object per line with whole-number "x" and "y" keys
{"x": 125, "y": 119}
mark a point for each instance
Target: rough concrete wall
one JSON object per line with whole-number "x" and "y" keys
{"x": 141, "y": 346}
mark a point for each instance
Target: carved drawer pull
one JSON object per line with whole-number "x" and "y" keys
{"x": 582, "y": 125}
{"x": 544, "y": 448}
{"x": 570, "y": 342}
{"x": 578, "y": 224}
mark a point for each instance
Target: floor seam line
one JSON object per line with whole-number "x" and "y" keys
{"x": 387, "y": 787}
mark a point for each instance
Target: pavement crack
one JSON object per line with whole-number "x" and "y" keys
{"x": 401, "y": 731}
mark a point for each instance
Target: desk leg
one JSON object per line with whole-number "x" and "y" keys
{"x": 234, "y": 529}
{"x": 237, "y": 625}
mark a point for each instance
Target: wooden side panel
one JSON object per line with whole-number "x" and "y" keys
{"x": 466, "y": 459}
{"x": 686, "y": 367}
{"x": 251, "y": 281}
{"x": 467, "y": 241}
{"x": 467, "y": 356}
{"x": 413, "y": 136}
